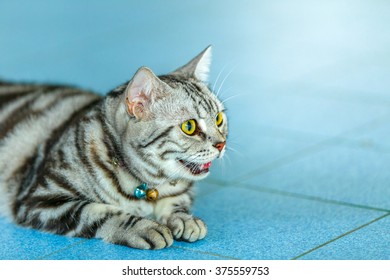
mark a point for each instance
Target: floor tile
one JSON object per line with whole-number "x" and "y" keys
{"x": 27, "y": 244}
{"x": 338, "y": 173}
{"x": 248, "y": 224}
{"x": 369, "y": 243}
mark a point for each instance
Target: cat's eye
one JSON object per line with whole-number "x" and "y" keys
{"x": 219, "y": 119}
{"x": 189, "y": 127}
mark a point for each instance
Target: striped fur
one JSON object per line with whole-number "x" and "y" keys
{"x": 59, "y": 153}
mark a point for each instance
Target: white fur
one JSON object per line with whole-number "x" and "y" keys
{"x": 202, "y": 68}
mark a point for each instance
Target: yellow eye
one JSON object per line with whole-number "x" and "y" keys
{"x": 188, "y": 127}
{"x": 219, "y": 119}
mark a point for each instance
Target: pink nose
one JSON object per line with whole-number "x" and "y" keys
{"x": 220, "y": 146}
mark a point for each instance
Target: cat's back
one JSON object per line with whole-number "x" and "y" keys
{"x": 31, "y": 116}
{"x": 32, "y": 110}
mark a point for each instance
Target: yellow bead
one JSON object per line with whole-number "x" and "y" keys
{"x": 152, "y": 194}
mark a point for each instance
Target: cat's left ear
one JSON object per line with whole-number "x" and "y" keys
{"x": 198, "y": 67}
{"x": 143, "y": 89}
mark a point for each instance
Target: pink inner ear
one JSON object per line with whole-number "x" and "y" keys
{"x": 139, "y": 93}
{"x": 135, "y": 108}
{"x": 130, "y": 106}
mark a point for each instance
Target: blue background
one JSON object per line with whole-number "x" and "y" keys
{"x": 306, "y": 84}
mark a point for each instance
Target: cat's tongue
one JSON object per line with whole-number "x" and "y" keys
{"x": 196, "y": 168}
{"x": 201, "y": 168}
{"x": 206, "y": 165}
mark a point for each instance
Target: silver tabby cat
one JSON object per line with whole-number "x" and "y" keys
{"x": 120, "y": 167}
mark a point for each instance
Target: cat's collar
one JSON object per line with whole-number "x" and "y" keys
{"x": 142, "y": 191}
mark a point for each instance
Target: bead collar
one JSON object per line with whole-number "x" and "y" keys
{"x": 142, "y": 191}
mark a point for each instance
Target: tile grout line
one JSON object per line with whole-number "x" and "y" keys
{"x": 205, "y": 253}
{"x": 340, "y": 236}
{"x": 220, "y": 184}
{"x": 340, "y": 138}
{"x": 62, "y": 249}
{"x": 313, "y": 198}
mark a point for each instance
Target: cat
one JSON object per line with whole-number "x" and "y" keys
{"x": 119, "y": 167}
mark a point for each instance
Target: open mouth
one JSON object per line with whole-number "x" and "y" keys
{"x": 196, "y": 168}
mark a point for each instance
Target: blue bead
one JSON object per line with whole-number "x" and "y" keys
{"x": 143, "y": 186}
{"x": 139, "y": 192}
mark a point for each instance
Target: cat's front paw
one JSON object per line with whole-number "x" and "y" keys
{"x": 137, "y": 232}
{"x": 155, "y": 236}
{"x": 186, "y": 227}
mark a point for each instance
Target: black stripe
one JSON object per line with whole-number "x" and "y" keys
{"x": 150, "y": 242}
{"x": 144, "y": 158}
{"x": 20, "y": 114}
{"x": 67, "y": 221}
{"x": 113, "y": 145}
{"x": 109, "y": 174}
{"x": 48, "y": 201}
{"x": 164, "y": 142}
{"x": 54, "y": 137}
{"x": 167, "y": 152}
{"x": 80, "y": 144}
{"x": 162, "y": 235}
{"x": 63, "y": 183}
{"x": 198, "y": 92}
{"x": 33, "y": 221}
{"x": 209, "y": 103}
{"x": 90, "y": 168}
{"x": 132, "y": 222}
{"x": 89, "y": 230}
{"x": 6, "y": 99}
{"x": 27, "y": 171}
{"x": 161, "y": 135}
{"x": 129, "y": 221}
{"x": 196, "y": 103}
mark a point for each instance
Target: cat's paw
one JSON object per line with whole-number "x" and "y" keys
{"x": 140, "y": 233}
{"x": 154, "y": 236}
{"x": 186, "y": 227}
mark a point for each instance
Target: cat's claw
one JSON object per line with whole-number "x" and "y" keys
{"x": 187, "y": 228}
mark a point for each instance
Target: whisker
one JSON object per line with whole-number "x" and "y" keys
{"x": 223, "y": 81}
{"x": 234, "y": 150}
{"x": 219, "y": 75}
{"x": 230, "y": 97}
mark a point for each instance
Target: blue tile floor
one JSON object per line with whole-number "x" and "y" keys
{"x": 308, "y": 96}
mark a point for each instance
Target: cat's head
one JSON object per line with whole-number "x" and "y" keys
{"x": 179, "y": 126}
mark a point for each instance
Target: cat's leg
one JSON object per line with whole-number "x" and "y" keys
{"x": 95, "y": 220}
{"x": 175, "y": 213}
{"x": 126, "y": 229}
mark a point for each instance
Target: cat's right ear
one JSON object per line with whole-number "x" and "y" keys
{"x": 143, "y": 89}
{"x": 198, "y": 67}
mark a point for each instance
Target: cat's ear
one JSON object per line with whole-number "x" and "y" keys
{"x": 143, "y": 89}
{"x": 198, "y": 67}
